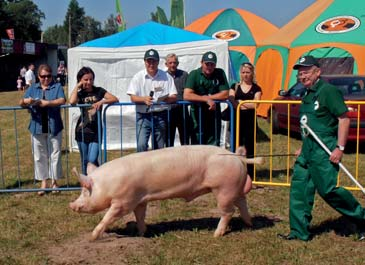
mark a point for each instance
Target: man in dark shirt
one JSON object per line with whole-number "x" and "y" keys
{"x": 206, "y": 84}
{"x": 179, "y": 114}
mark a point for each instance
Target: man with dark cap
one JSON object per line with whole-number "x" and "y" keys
{"x": 324, "y": 111}
{"x": 206, "y": 84}
{"x": 151, "y": 85}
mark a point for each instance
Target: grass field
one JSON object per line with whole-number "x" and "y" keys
{"x": 43, "y": 230}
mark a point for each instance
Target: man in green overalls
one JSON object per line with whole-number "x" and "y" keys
{"x": 206, "y": 84}
{"x": 324, "y": 111}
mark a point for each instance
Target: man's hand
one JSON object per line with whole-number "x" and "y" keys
{"x": 211, "y": 104}
{"x": 336, "y": 156}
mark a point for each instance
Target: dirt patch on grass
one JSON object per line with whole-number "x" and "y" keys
{"x": 111, "y": 249}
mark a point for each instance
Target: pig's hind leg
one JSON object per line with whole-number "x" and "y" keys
{"x": 241, "y": 203}
{"x": 113, "y": 214}
{"x": 225, "y": 205}
{"x": 140, "y": 214}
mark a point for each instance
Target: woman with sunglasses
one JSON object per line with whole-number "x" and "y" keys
{"x": 44, "y": 100}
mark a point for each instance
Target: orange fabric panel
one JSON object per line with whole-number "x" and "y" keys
{"x": 269, "y": 72}
{"x": 201, "y": 24}
{"x": 259, "y": 27}
{"x": 249, "y": 51}
{"x": 289, "y": 32}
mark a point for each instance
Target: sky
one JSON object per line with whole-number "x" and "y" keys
{"x": 137, "y": 12}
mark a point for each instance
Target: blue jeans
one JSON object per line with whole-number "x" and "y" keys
{"x": 89, "y": 153}
{"x": 151, "y": 124}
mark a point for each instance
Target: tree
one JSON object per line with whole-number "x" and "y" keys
{"x": 110, "y": 26}
{"x": 75, "y": 18}
{"x": 92, "y": 30}
{"x": 23, "y": 16}
{"x": 56, "y": 34}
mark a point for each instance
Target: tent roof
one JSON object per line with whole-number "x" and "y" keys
{"x": 150, "y": 33}
{"x": 253, "y": 29}
{"x": 305, "y": 28}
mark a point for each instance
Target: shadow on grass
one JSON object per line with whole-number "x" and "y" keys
{"x": 158, "y": 229}
{"x": 264, "y": 174}
{"x": 341, "y": 226}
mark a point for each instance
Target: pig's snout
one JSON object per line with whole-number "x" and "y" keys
{"x": 74, "y": 206}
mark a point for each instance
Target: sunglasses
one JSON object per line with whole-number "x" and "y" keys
{"x": 45, "y": 76}
{"x": 247, "y": 64}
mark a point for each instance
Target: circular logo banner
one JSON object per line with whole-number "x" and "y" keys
{"x": 339, "y": 24}
{"x": 227, "y": 34}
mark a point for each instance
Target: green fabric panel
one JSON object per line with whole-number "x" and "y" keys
{"x": 355, "y": 8}
{"x": 230, "y": 19}
{"x": 237, "y": 58}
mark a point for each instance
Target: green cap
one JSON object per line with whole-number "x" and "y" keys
{"x": 308, "y": 60}
{"x": 209, "y": 57}
{"x": 152, "y": 54}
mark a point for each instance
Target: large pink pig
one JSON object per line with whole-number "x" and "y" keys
{"x": 128, "y": 183}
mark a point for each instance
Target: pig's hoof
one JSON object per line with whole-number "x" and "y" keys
{"x": 219, "y": 233}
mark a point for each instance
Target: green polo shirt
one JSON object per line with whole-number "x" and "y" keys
{"x": 203, "y": 85}
{"x": 323, "y": 104}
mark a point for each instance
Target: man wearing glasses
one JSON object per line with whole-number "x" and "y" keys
{"x": 324, "y": 111}
{"x": 206, "y": 84}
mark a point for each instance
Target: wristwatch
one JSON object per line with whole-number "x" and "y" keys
{"x": 341, "y": 147}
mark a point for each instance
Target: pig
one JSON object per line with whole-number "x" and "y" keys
{"x": 128, "y": 183}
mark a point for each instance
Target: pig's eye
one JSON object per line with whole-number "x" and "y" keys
{"x": 86, "y": 192}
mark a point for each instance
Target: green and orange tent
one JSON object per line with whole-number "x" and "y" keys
{"x": 242, "y": 29}
{"x": 331, "y": 30}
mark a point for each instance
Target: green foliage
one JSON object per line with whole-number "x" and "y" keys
{"x": 74, "y": 22}
{"x": 92, "y": 30}
{"x": 110, "y": 26}
{"x": 55, "y": 34}
{"x": 160, "y": 16}
{"x": 83, "y": 28}
{"x": 24, "y": 17}
{"x": 177, "y": 14}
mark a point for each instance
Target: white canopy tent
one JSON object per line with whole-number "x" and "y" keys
{"x": 116, "y": 58}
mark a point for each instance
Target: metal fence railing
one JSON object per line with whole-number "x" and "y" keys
{"x": 278, "y": 147}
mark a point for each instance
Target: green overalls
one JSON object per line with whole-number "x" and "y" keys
{"x": 321, "y": 107}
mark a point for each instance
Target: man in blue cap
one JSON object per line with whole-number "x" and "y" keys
{"x": 324, "y": 111}
{"x": 206, "y": 84}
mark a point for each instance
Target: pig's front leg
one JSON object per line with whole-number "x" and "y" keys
{"x": 110, "y": 217}
{"x": 140, "y": 214}
{"x": 241, "y": 203}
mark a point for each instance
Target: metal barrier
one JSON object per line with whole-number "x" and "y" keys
{"x": 16, "y": 163}
{"x": 124, "y": 104}
{"x": 280, "y": 152}
{"x": 16, "y": 160}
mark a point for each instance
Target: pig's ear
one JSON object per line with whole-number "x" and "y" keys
{"x": 90, "y": 168}
{"x": 85, "y": 181}
{"x": 241, "y": 150}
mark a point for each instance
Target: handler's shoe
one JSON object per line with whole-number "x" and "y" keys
{"x": 361, "y": 237}
{"x": 287, "y": 237}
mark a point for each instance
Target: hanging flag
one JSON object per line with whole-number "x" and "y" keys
{"x": 10, "y": 33}
{"x": 119, "y": 18}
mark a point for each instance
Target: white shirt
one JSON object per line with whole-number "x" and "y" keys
{"x": 162, "y": 85}
{"x": 29, "y": 77}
